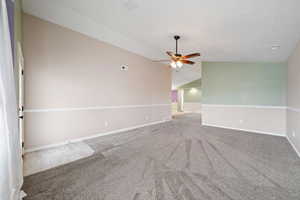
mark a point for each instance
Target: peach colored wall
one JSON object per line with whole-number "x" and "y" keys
{"x": 65, "y": 69}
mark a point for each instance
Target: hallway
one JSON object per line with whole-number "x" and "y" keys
{"x": 179, "y": 160}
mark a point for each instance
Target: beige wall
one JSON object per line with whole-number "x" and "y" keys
{"x": 66, "y": 70}
{"x": 260, "y": 119}
{"x": 293, "y": 113}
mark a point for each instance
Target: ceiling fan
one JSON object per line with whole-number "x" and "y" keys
{"x": 177, "y": 60}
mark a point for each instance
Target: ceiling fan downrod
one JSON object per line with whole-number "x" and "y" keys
{"x": 177, "y": 37}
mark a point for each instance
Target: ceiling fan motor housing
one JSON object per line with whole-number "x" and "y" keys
{"x": 177, "y": 59}
{"x": 176, "y": 37}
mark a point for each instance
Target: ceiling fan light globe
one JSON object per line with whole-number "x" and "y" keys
{"x": 179, "y": 64}
{"x": 173, "y": 65}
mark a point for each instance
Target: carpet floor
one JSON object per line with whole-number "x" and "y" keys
{"x": 177, "y": 160}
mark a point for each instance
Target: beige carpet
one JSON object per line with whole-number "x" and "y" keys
{"x": 177, "y": 160}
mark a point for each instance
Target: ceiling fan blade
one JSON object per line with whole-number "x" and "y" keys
{"x": 173, "y": 56}
{"x": 191, "y": 55}
{"x": 170, "y": 53}
{"x": 187, "y": 62}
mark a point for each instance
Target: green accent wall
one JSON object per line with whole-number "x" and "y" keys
{"x": 192, "y": 91}
{"x": 195, "y": 83}
{"x": 231, "y": 83}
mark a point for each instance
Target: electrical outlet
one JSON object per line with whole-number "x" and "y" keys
{"x": 294, "y": 134}
{"x": 106, "y": 124}
{"x": 241, "y": 121}
{"x": 146, "y": 118}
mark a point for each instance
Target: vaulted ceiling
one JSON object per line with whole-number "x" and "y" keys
{"x": 234, "y": 30}
{"x": 231, "y": 30}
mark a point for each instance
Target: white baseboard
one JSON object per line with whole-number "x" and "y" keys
{"x": 292, "y": 144}
{"x": 153, "y": 123}
{"x": 93, "y": 136}
{"x": 259, "y": 132}
{"x": 247, "y": 130}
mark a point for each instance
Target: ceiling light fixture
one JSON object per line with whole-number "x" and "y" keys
{"x": 173, "y": 64}
{"x": 177, "y": 64}
{"x": 275, "y": 47}
{"x": 193, "y": 90}
{"x": 177, "y": 60}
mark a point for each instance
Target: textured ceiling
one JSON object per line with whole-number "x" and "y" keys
{"x": 231, "y": 30}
